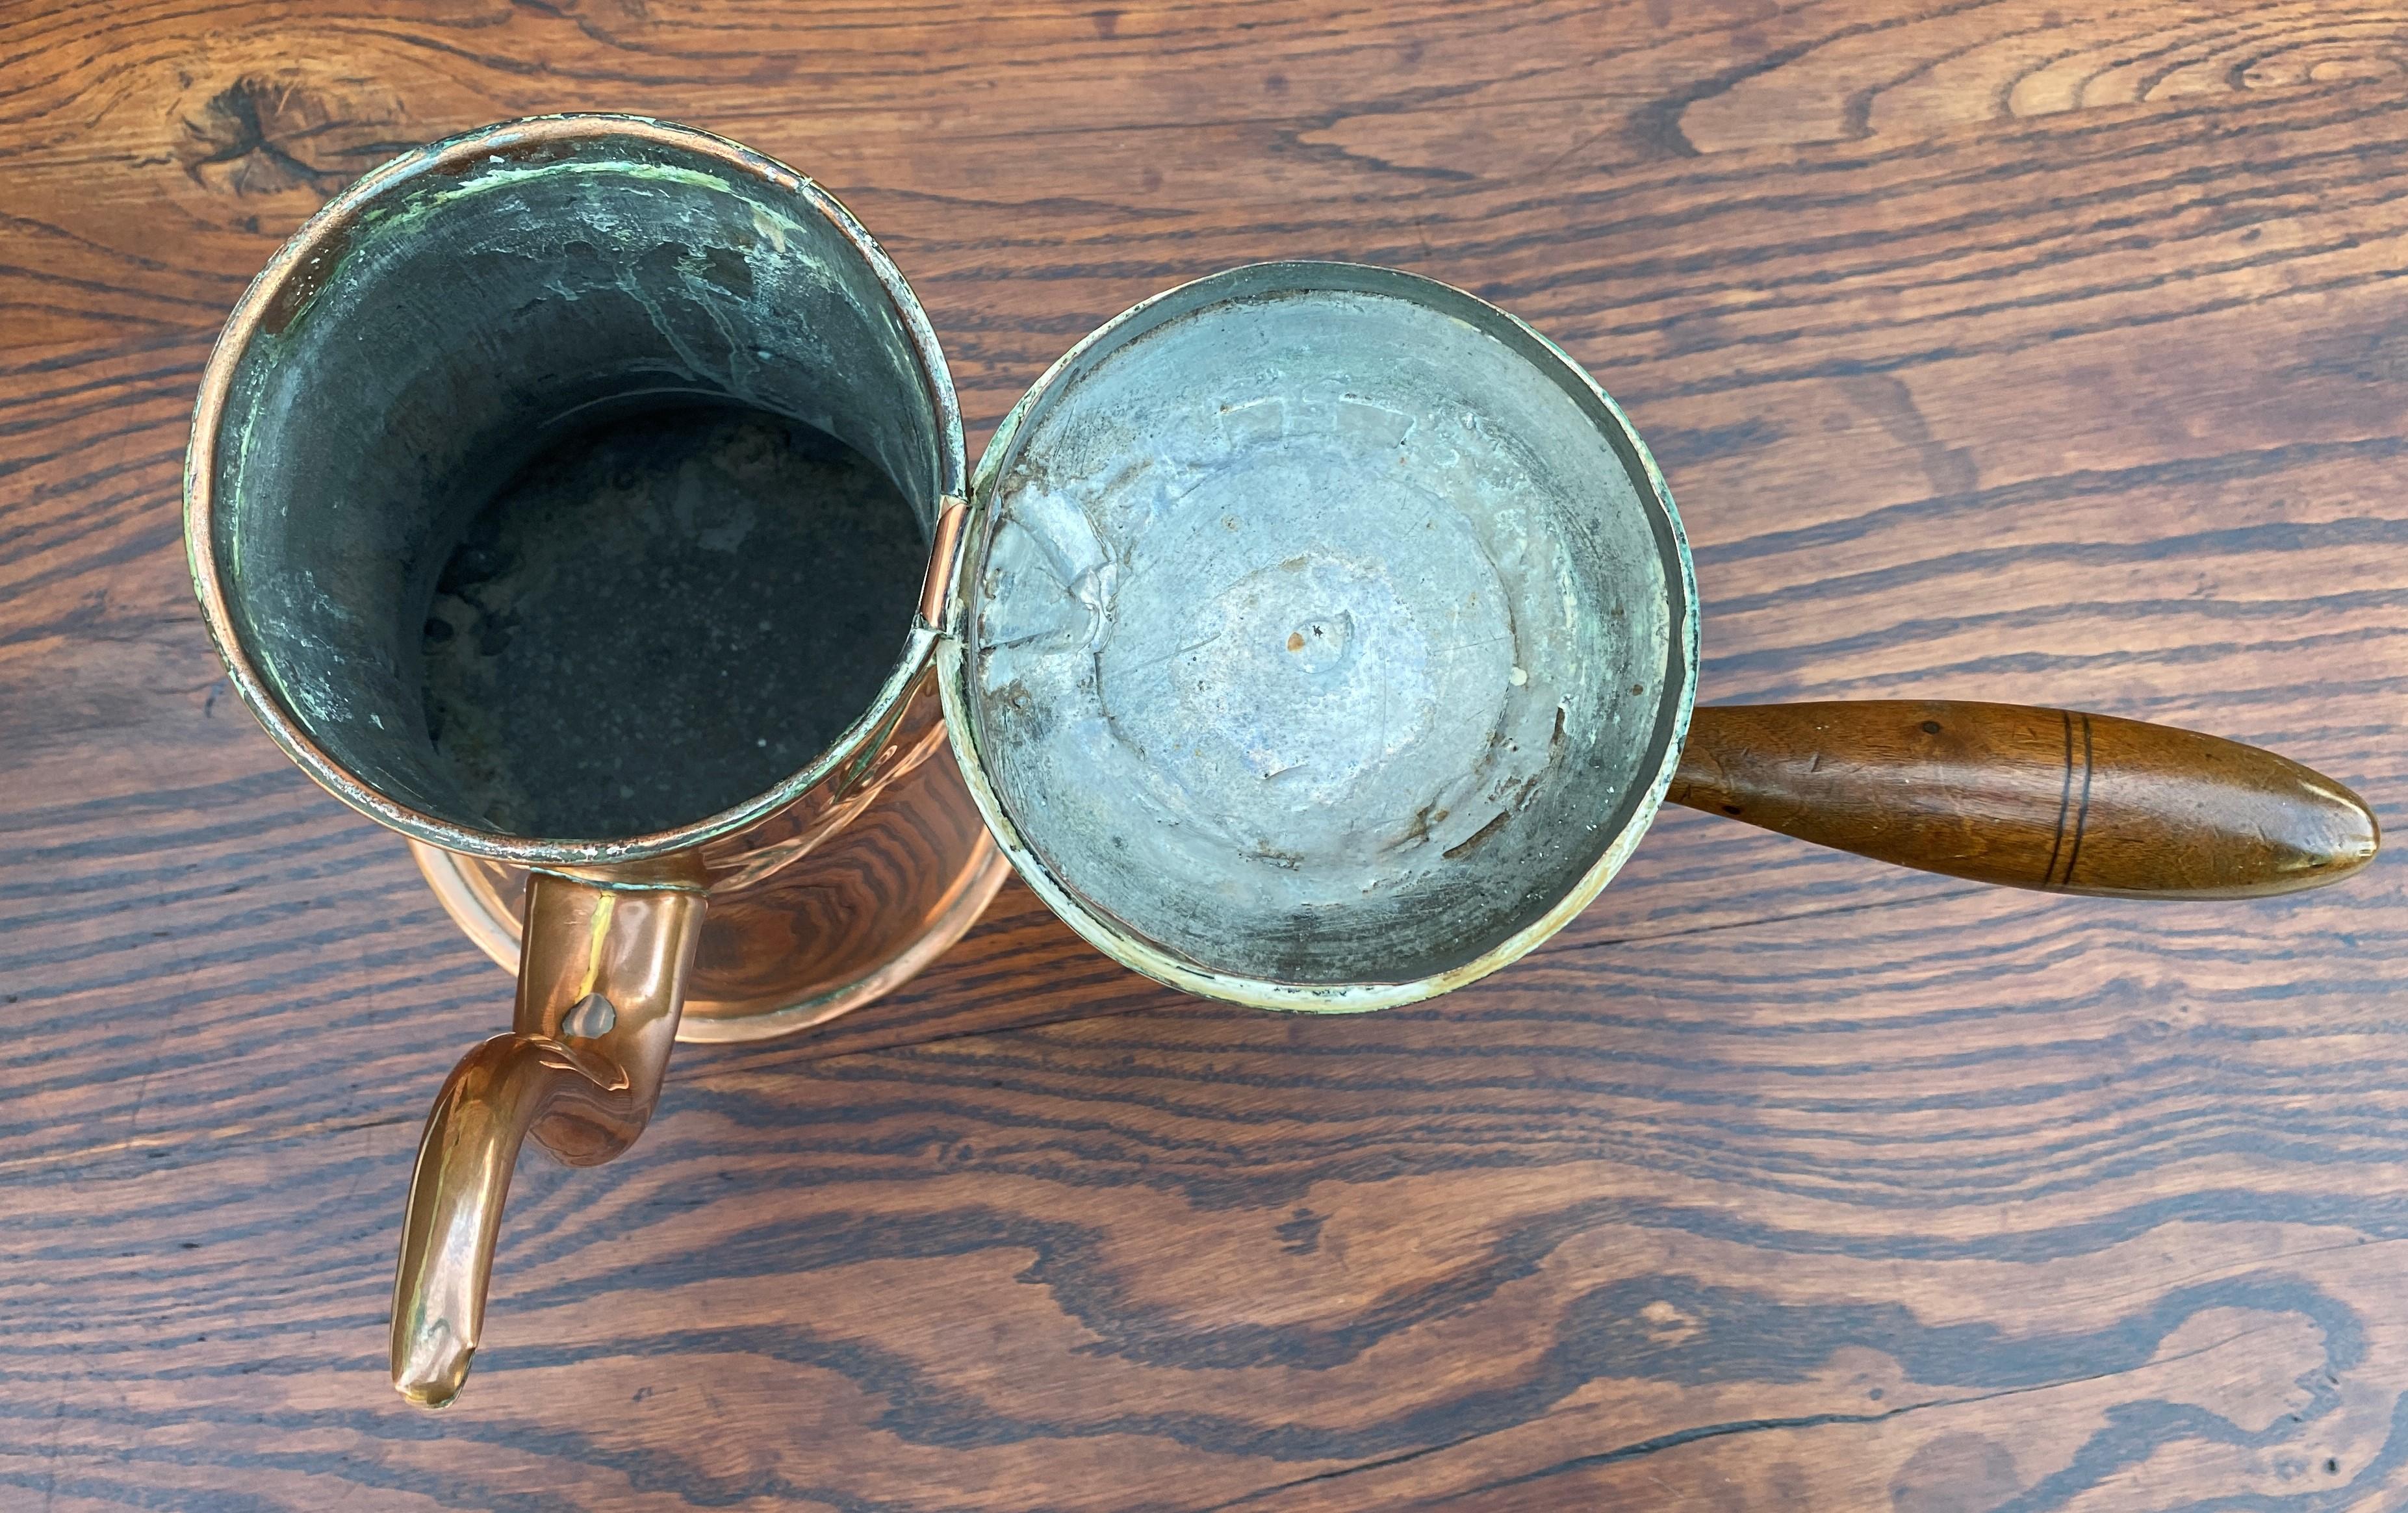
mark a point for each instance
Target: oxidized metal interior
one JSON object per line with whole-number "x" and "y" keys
{"x": 738, "y": 581}
{"x": 446, "y": 328}
{"x": 1324, "y": 628}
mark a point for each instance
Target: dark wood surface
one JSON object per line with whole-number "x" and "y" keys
{"x": 2015, "y": 351}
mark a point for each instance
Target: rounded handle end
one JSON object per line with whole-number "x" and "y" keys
{"x": 2049, "y": 799}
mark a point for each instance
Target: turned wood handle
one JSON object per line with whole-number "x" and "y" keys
{"x": 2049, "y": 799}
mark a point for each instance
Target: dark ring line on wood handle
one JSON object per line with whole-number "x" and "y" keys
{"x": 2049, "y": 799}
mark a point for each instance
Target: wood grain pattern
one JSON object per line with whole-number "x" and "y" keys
{"x": 2006, "y": 793}
{"x": 1995, "y": 349}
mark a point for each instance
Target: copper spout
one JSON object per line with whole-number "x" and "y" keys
{"x": 601, "y": 980}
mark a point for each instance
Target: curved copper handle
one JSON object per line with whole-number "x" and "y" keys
{"x": 601, "y": 980}
{"x": 2052, "y": 799}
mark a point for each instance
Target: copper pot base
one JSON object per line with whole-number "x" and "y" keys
{"x": 853, "y": 919}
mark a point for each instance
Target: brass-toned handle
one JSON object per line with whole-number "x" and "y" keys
{"x": 2049, "y": 799}
{"x": 602, "y": 974}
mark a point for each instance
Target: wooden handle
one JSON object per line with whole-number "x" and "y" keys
{"x": 2032, "y": 798}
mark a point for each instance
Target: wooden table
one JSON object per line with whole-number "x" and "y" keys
{"x": 1994, "y": 351}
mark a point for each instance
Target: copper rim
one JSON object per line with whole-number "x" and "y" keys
{"x": 298, "y": 258}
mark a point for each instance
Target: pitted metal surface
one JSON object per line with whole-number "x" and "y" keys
{"x": 734, "y": 582}
{"x": 470, "y": 314}
{"x": 1319, "y": 634}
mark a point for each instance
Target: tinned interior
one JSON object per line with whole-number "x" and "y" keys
{"x": 1326, "y": 628}
{"x": 454, "y": 325}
